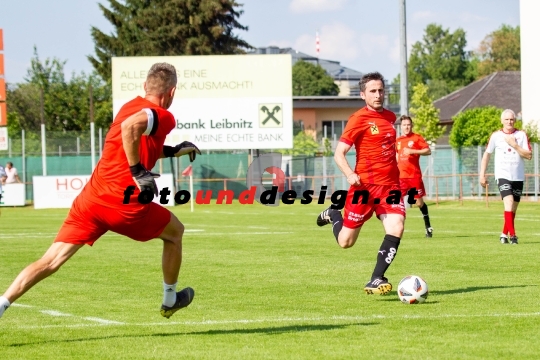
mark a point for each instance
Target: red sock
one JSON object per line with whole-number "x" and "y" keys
{"x": 505, "y": 228}
{"x": 509, "y": 222}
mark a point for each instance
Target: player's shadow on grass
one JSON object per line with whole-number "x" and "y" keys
{"x": 392, "y": 296}
{"x": 474, "y": 288}
{"x": 265, "y": 330}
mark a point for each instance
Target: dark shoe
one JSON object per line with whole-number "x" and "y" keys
{"x": 504, "y": 240}
{"x": 429, "y": 232}
{"x": 183, "y": 299}
{"x": 324, "y": 217}
{"x": 379, "y": 286}
{"x": 513, "y": 240}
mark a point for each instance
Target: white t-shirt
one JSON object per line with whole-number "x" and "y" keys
{"x": 509, "y": 164}
{"x": 11, "y": 175}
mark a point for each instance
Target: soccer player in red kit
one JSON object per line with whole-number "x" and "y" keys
{"x": 374, "y": 180}
{"x": 134, "y": 143}
{"x": 410, "y": 147}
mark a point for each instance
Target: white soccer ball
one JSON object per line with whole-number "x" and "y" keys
{"x": 412, "y": 289}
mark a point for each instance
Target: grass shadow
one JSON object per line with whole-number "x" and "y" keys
{"x": 475, "y": 288}
{"x": 265, "y": 330}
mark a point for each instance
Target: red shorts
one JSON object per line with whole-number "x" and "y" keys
{"x": 87, "y": 221}
{"x": 355, "y": 215}
{"x": 417, "y": 183}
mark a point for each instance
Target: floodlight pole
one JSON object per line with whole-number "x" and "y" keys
{"x": 404, "y": 88}
{"x": 43, "y": 146}
{"x": 92, "y": 129}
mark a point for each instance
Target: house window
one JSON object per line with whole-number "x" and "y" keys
{"x": 333, "y": 128}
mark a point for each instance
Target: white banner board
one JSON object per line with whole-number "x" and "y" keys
{"x": 13, "y": 195}
{"x": 4, "y": 145}
{"x": 56, "y": 192}
{"x": 222, "y": 102}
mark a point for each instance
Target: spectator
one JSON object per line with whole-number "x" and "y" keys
{"x": 2, "y": 177}
{"x": 12, "y": 176}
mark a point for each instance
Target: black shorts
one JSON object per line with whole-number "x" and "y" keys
{"x": 507, "y": 187}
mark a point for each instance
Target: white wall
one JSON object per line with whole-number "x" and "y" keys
{"x": 530, "y": 60}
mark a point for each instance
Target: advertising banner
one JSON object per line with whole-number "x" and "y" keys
{"x": 222, "y": 102}
{"x": 60, "y": 191}
{"x": 13, "y": 195}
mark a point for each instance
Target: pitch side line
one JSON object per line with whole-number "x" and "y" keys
{"x": 279, "y": 320}
{"x": 61, "y": 314}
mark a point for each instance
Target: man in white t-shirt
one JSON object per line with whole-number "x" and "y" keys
{"x": 511, "y": 146}
{"x": 12, "y": 174}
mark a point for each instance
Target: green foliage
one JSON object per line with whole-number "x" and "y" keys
{"x": 426, "y": 116}
{"x": 474, "y": 127}
{"x": 531, "y": 129}
{"x": 66, "y": 103}
{"x": 312, "y": 80}
{"x": 500, "y": 51}
{"x": 166, "y": 28}
{"x": 303, "y": 144}
{"x": 440, "y": 57}
{"x": 327, "y": 148}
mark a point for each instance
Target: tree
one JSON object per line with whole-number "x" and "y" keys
{"x": 311, "y": 80}
{"x": 440, "y": 58}
{"x": 167, "y": 27}
{"x": 66, "y": 103}
{"x": 500, "y": 51}
{"x": 303, "y": 144}
{"x": 474, "y": 126}
{"x": 426, "y": 116}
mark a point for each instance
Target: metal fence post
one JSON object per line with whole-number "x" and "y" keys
{"x": 535, "y": 159}
{"x": 454, "y": 173}
{"x": 100, "y": 141}
{"x": 479, "y": 151}
{"x": 23, "y": 157}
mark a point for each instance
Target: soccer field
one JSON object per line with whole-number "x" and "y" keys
{"x": 270, "y": 284}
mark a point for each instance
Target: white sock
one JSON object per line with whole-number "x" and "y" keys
{"x": 169, "y": 294}
{"x": 4, "y": 304}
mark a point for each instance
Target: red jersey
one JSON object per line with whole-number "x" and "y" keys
{"x": 374, "y": 137}
{"x": 409, "y": 165}
{"x": 111, "y": 175}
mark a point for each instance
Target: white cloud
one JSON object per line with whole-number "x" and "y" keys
{"x": 304, "y": 6}
{"x": 422, "y": 15}
{"x": 337, "y": 42}
{"x": 395, "y": 51}
{"x": 371, "y": 44}
{"x": 467, "y": 17}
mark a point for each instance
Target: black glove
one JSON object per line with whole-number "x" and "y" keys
{"x": 182, "y": 149}
{"x": 144, "y": 178}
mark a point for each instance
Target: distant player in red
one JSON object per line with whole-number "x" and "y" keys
{"x": 374, "y": 181}
{"x": 410, "y": 147}
{"x": 134, "y": 143}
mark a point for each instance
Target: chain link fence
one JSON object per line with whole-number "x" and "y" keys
{"x": 448, "y": 173}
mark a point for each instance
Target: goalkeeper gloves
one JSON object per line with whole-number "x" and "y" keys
{"x": 144, "y": 178}
{"x": 182, "y": 149}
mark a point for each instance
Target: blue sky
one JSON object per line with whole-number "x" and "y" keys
{"x": 362, "y": 35}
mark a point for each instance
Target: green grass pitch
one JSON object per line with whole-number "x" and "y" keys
{"x": 270, "y": 284}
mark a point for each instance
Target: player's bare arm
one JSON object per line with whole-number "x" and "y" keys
{"x": 423, "y": 152}
{"x": 142, "y": 122}
{"x": 339, "y": 156}
{"x": 524, "y": 153}
{"x": 483, "y": 167}
{"x": 132, "y": 130}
